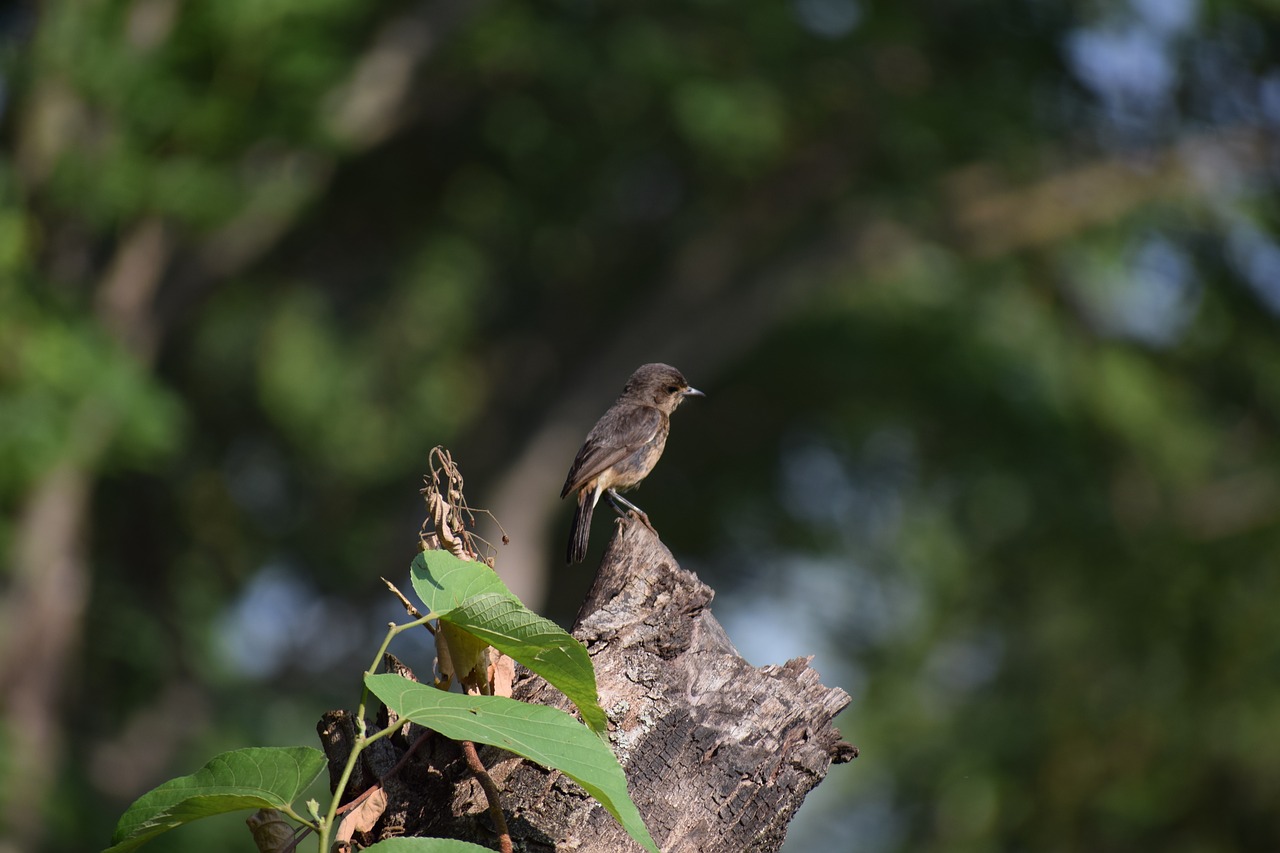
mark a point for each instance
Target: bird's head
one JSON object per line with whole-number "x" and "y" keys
{"x": 660, "y": 385}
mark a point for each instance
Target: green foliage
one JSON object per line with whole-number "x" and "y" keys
{"x": 63, "y": 385}
{"x": 745, "y": 120}
{"x": 538, "y": 643}
{"x": 384, "y": 388}
{"x": 469, "y": 599}
{"x": 548, "y": 736}
{"x": 254, "y": 778}
{"x": 472, "y": 597}
{"x": 426, "y": 845}
{"x": 444, "y": 582}
{"x": 170, "y": 101}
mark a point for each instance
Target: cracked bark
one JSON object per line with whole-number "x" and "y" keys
{"x": 718, "y": 754}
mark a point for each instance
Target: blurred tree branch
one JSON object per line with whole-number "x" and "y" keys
{"x": 156, "y": 273}
{"x": 725, "y": 304}
{"x": 991, "y": 219}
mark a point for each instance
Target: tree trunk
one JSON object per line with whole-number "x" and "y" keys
{"x": 718, "y": 754}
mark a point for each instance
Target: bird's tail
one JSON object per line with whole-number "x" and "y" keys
{"x": 581, "y": 530}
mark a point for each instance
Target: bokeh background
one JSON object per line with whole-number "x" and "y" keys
{"x": 983, "y": 295}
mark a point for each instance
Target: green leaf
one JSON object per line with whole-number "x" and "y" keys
{"x": 261, "y": 777}
{"x": 427, "y": 845}
{"x": 546, "y": 735}
{"x": 471, "y": 596}
{"x": 538, "y": 643}
{"x": 444, "y": 581}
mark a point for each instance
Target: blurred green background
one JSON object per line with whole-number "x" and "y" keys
{"x": 983, "y": 295}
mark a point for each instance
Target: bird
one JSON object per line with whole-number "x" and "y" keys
{"x": 623, "y": 447}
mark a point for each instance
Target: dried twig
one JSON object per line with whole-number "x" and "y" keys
{"x": 491, "y": 792}
{"x": 409, "y": 606}
{"x": 404, "y": 759}
{"x": 448, "y": 514}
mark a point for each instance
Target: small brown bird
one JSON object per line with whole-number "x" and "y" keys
{"x": 623, "y": 446}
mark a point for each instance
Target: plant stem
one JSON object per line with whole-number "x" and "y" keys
{"x": 491, "y": 792}
{"x": 362, "y": 739}
{"x": 392, "y": 631}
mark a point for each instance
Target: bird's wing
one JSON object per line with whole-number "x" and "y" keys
{"x": 618, "y": 434}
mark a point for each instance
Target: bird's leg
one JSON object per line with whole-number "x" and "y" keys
{"x": 618, "y": 502}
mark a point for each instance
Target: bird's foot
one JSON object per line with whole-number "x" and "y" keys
{"x": 622, "y": 506}
{"x": 644, "y": 519}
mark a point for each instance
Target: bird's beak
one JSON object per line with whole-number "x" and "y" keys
{"x": 692, "y": 392}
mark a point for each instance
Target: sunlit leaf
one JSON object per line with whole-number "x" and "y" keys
{"x": 263, "y": 777}
{"x": 443, "y": 581}
{"x": 471, "y": 596}
{"x": 539, "y": 733}
{"x": 539, "y": 644}
{"x": 427, "y": 845}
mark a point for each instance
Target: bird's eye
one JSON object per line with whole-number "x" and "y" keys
{"x": 672, "y": 389}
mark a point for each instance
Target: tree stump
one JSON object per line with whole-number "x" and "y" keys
{"x": 718, "y": 754}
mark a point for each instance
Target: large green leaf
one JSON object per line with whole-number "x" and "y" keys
{"x": 471, "y": 596}
{"x": 261, "y": 777}
{"x": 545, "y": 735}
{"x": 427, "y": 845}
{"x": 443, "y": 581}
{"x": 538, "y": 643}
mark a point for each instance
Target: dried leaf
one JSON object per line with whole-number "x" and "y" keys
{"x": 502, "y": 672}
{"x": 272, "y": 831}
{"x": 364, "y": 816}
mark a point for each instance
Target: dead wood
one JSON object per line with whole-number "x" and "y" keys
{"x": 718, "y": 754}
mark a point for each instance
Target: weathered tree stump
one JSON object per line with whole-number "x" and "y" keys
{"x": 718, "y": 754}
